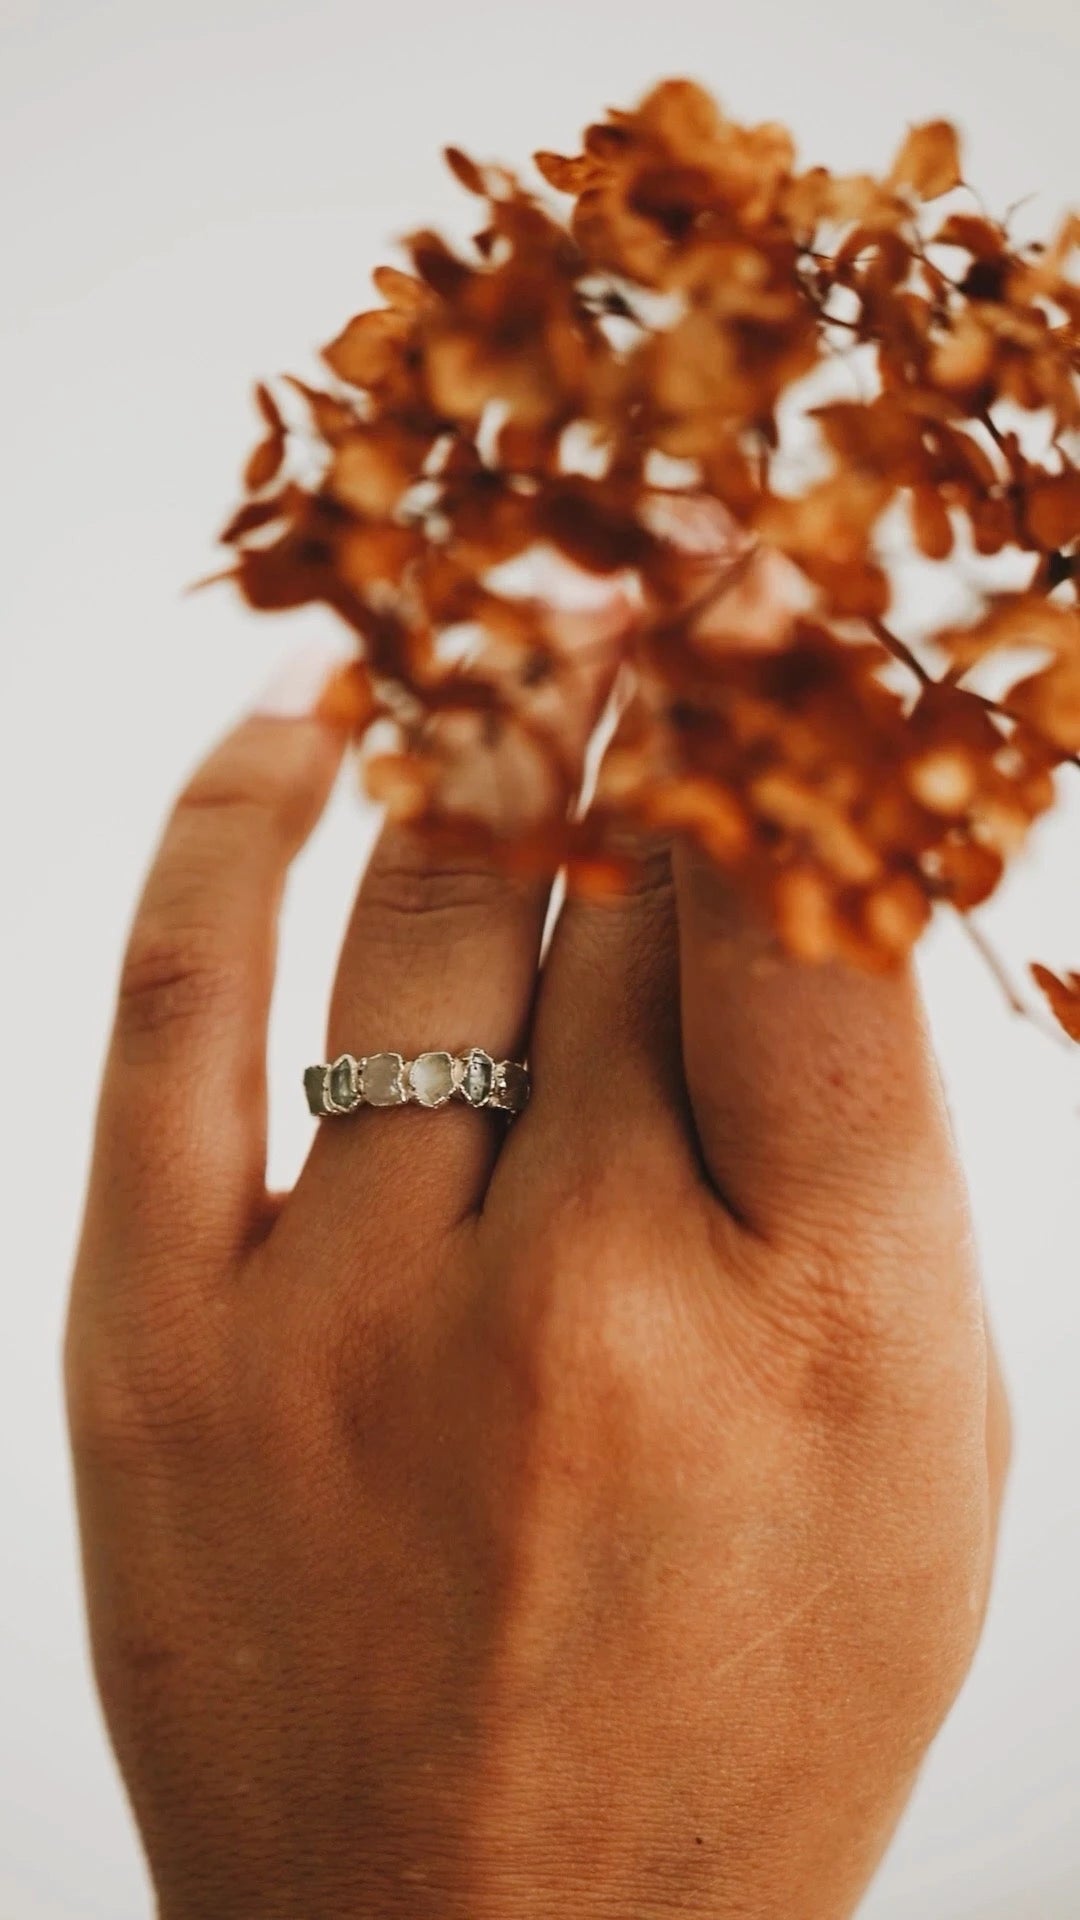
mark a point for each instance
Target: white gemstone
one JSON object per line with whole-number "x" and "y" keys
{"x": 431, "y": 1078}
{"x": 382, "y": 1080}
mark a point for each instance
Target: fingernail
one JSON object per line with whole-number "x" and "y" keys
{"x": 295, "y": 687}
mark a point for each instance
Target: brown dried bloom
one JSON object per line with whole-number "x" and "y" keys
{"x": 670, "y": 457}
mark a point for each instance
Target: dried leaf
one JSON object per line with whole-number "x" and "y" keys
{"x": 348, "y": 699}
{"x": 928, "y": 163}
{"x": 264, "y": 463}
{"x": 373, "y": 466}
{"x": 1053, "y": 509}
{"x": 1063, "y": 994}
{"x": 566, "y": 176}
{"x": 368, "y": 348}
{"x": 251, "y": 516}
{"x": 930, "y": 519}
{"x": 331, "y": 417}
{"x": 982, "y": 238}
{"x": 401, "y": 291}
{"x": 465, "y": 170}
{"x": 1050, "y": 701}
{"x": 400, "y": 782}
{"x": 268, "y": 407}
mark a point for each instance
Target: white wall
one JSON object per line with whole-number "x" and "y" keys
{"x": 193, "y": 191}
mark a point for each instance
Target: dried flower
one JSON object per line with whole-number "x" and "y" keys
{"x": 1064, "y": 998}
{"x": 667, "y": 454}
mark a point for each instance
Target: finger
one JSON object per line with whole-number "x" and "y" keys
{"x": 998, "y": 1428}
{"x": 443, "y": 956}
{"x": 181, "y": 1135}
{"x": 440, "y": 955}
{"x": 813, "y": 1087}
{"x": 606, "y": 1049}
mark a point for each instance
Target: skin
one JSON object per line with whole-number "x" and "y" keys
{"x": 592, "y": 1517}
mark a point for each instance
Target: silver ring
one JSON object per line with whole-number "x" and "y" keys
{"x": 431, "y": 1080}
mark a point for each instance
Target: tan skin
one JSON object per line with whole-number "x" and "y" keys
{"x": 594, "y": 1518}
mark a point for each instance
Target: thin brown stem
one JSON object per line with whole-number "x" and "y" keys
{"x": 998, "y": 970}
{"x": 901, "y": 651}
{"x": 997, "y": 967}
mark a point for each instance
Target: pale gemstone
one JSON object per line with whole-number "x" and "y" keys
{"x": 315, "y": 1088}
{"x": 431, "y": 1078}
{"x": 477, "y": 1077}
{"x": 344, "y": 1084}
{"x": 382, "y": 1080}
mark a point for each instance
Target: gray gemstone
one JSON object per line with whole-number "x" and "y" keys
{"x": 513, "y": 1086}
{"x": 344, "y": 1082}
{"x": 477, "y": 1077}
{"x": 315, "y": 1088}
{"x": 431, "y": 1078}
{"x": 382, "y": 1080}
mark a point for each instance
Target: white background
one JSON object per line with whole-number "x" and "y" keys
{"x": 193, "y": 193}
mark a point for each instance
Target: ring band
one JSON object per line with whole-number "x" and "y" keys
{"x": 431, "y": 1080}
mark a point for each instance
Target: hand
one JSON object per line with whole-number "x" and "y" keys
{"x": 594, "y": 1518}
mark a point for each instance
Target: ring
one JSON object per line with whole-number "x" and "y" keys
{"x": 431, "y": 1080}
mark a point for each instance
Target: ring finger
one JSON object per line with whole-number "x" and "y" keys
{"x": 439, "y": 955}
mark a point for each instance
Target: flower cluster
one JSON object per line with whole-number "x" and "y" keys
{"x": 657, "y": 471}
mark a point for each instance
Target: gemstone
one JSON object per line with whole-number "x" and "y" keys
{"x": 476, "y": 1077}
{"x": 511, "y": 1087}
{"x": 382, "y": 1080}
{"x": 315, "y": 1088}
{"x": 344, "y": 1083}
{"x": 431, "y": 1078}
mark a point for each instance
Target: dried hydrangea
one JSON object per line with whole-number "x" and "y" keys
{"x": 664, "y": 458}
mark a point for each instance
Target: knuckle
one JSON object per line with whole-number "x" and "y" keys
{"x": 172, "y": 975}
{"x": 641, "y": 917}
{"x": 649, "y": 881}
{"x": 237, "y": 786}
{"x": 641, "y": 910}
{"x": 233, "y": 809}
{"x": 400, "y": 889}
{"x": 587, "y": 1324}
{"x": 829, "y": 1346}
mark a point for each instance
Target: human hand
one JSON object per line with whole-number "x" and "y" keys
{"x": 595, "y": 1517}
